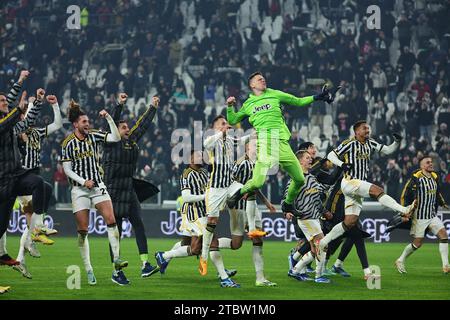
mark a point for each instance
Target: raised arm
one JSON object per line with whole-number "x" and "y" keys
{"x": 144, "y": 122}
{"x": 32, "y": 114}
{"x": 57, "y": 119}
{"x": 117, "y": 113}
{"x": 292, "y": 100}
{"x": 386, "y": 150}
{"x": 14, "y": 92}
{"x": 115, "y": 135}
{"x": 232, "y": 116}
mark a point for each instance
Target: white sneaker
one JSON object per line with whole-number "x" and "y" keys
{"x": 400, "y": 266}
{"x": 32, "y": 249}
{"x": 22, "y": 268}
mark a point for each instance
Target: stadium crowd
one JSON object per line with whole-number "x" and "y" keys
{"x": 193, "y": 54}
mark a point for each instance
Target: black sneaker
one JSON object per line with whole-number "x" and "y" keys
{"x": 120, "y": 278}
{"x": 232, "y": 201}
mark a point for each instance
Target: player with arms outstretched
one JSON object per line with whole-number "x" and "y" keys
{"x": 263, "y": 108}
{"x": 353, "y": 156}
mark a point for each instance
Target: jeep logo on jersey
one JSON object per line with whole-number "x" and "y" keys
{"x": 261, "y": 108}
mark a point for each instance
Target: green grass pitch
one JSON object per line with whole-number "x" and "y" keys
{"x": 424, "y": 280}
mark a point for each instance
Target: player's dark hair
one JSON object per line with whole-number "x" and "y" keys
{"x": 250, "y": 77}
{"x": 220, "y": 116}
{"x": 358, "y": 124}
{"x": 425, "y": 156}
{"x": 305, "y": 145}
{"x": 2, "y": 94}
{"x": 74, "y": 111}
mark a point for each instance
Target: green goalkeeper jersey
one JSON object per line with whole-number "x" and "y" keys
{"x": 264, "y": 111}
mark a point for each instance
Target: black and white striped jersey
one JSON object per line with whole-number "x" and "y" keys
{"x": 31, "y": 157}
{"x": 426, "y": 191}
{"x": 242, "y": 172}
{"x": 309, "y": 200}
{"x": 358, "y": 154}
{"x": 195, "y": 181}
{"x": 221, "y": 161}
{"x": 84, "y": 155}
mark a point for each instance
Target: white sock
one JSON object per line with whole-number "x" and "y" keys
{"x": 409, "y": 249}
{"x": 206, "y": 243}
{"x": 258, "y": 261}
{"x": 250, "y": 211}
{"x": 177, "y": 253}
{"x": 23, "y": 243}
{"x": 304, "y": 261}
{"x": 296, "y": 256}
{"x": 224, "y": 243}
{"x": 336, "y": 232}
{"x": 367, "y": 271}
{"x": 325, "y": 263}
{"x": 113, "y": 237}
{"x": 39, "y": 220}
{"x": 3, "y": 245}
{"x": 176, "y": 245}
{"x": 83, "y": 245}
{"x": 443, "y": 249}
{"x": 216, "y": 258}
{"x": 34, "y": 221}
{"x": 319, "y": 267}
{"x": 389, "y": 202}
{"x": 338, "y": 263}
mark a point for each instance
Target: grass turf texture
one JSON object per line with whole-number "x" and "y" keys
{"x": 424, "y": 280}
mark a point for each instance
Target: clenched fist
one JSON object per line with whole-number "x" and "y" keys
{"x": 52, "y": 99}
{"x": 122, "y": 98}
{"x": 23, "y": 76}
{"x": 103, "y": 113}
{"x": 231, "y": 101}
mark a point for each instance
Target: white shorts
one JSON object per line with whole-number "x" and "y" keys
{"x": 354, "y": 191}
{"x": 216, "y": 198}
{"x": 310, "y": 228}
{"x": 237, "y": 222}
{"x": 84, "y": 199}
{"x": 419, "y": 226}
{"x": 24, "y": 201}
{"x": 192, "y": 228}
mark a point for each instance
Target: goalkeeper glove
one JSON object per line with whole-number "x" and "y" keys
{"x": 327, "y": 95}
{"x": 397, "y": 137}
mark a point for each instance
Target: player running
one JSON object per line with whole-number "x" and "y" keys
{"x": 353, "y": 156}
{"x": 194, "y": 182}
{"x": 263, "y": 107}
{"x": 423, "y": 187}
{"x": 119, "y": 162}
{"x": 80, "y": 161}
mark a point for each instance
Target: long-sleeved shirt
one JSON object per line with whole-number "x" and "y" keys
{"x": 264, "y": 112}
{"x": 10, "y": 127}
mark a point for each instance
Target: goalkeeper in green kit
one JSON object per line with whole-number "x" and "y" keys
{"x": 263, "y": 107}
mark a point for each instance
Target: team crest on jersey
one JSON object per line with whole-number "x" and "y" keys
{"x": 261, "y": 108}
